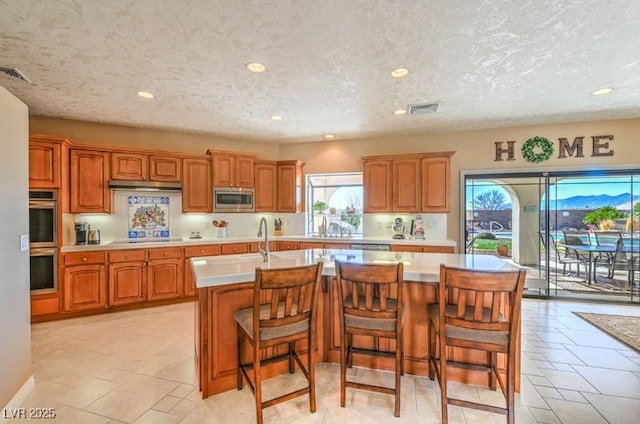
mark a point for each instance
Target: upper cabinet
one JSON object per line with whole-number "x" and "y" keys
{"x": 48, "y": 162}
{"x": 232, "y": 169}
{"x": 266, "y": 187}
{"x": 135, "y": 166}
{"x": 407, "y": 183}
{"x": 290, "y": 186}
{"x": 197, "y": 194}
{"x": 89, "y": 191}
{"x": 436, "y": 184}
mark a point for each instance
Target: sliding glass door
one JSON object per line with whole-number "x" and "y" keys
{"x": 577, "y": 233}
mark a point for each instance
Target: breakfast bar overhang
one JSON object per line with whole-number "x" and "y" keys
{"x": 225, "y": 285}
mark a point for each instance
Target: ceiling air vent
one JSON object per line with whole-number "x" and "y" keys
{"x": 14, "y": 73}
{"x": 420, "y": 108}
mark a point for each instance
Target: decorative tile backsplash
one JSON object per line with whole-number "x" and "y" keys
{"x": 148, "y": 216}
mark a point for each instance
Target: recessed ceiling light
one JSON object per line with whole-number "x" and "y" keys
{"x": 400, "y": 111}
{"x": 256, "y": 67}
{"x": 399, "y": 72}
{"x": 276, "y": 118}
{"x": 602, "y": 91}
{"x": 145, "y": 94}
{"x": 329, "y": 136}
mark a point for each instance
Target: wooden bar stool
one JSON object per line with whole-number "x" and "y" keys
{"x": 370, "y": 304}
{"x": 282, "y": 313}
{"x": 476, "y": 310}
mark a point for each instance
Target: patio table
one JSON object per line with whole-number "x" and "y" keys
{"x": 592, "y": 250}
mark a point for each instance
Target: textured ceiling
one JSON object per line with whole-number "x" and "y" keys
{"x": 490, "y": 63}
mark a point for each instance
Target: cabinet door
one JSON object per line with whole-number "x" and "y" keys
{"x": 289, "y": 188}
{"x": 164, "y": 279}
{"x": 405, "y": 248}
{"x": 406, "y": 185}
{"x": 265, "y": 193}
{"x": 84, "y": 287}
{"x": 244, "y": 171}
{"x": 129, "y": 166}
{"x": 127, "y": 282}
{"x": 190, "y": 252}
{"x": 376, "y": 181}
{"x": 310, "y": 245}
{"x": 89, "y": 179}
{"x": 288, "y": 245}
{"x": 436, "y": 184}
{"x": 197, "y": 194}
{"x": 224, "y": 170}
{"x": 165, "y": 168}
{"x": 44, "y": 165}
{"x": 234, "y": 248}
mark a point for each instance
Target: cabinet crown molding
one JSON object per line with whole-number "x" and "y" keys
{"x": 410, "y": 156}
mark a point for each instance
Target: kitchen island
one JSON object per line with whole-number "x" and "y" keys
{"x": 225, "y": 285}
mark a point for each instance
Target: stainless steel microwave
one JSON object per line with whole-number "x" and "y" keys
{"x": 233, "y": 199}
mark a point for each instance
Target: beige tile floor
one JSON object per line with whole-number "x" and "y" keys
{"x": 137, "y": 367}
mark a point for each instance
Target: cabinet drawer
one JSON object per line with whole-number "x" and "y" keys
{"x": 166, "y": 253}
{"x": 127, "y": 256}
{"x": 84, "y": 258}
{"x": 288, "y": 245}
{"x": 231, "y": 249}
{"x": 405, "y": 248}
{"x": 201, "y": 251}
{"x": 273, "y": 246}
{"x": 437, "y": 249}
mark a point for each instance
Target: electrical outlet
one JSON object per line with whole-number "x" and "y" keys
{"x": 24, "y": 242}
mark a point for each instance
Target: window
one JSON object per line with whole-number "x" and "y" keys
{"x": 334, "y": 204}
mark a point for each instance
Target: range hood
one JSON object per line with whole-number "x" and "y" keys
{"x": 145, "y": 185}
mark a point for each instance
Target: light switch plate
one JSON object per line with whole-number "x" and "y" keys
{"x": 24, "y": 242}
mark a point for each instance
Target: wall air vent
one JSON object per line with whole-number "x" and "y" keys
{"x": 419, "y": 108}
{"x": 14, "y": 73}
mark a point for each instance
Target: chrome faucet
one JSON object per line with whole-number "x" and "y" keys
{"x": 264, "y": 251}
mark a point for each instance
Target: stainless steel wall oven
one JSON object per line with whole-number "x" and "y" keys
{"x": 43, "y": 240}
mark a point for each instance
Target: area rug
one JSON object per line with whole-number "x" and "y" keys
{"x": 624, "y": 328}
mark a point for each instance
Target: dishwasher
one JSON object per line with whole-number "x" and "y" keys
{"x": 371, "y": 246}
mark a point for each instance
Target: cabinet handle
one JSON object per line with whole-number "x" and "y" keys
{"x": 84, "y": 259}
{"x": 126, "y": 256}
{"x": 201, "y": 250}
{"x": 165, "y": 253}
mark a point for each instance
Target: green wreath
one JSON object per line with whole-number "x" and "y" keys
{"x": 542, "y": 144}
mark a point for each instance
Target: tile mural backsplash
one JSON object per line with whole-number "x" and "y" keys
{"x": 148, "y": 217}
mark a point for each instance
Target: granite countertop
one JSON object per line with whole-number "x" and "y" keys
{"x": 423, "y": 267}
{"x": 184, "y": 242}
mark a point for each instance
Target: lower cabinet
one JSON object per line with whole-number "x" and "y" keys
{"x": 164, "y": 274}
{"x": 127, "y": 277}
{"x": 288, "y": 245}
{"x": 192, "y": 252}
{"x": 85, "y": 282}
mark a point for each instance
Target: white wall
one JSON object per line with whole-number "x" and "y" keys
{"x": 15, "y": 330}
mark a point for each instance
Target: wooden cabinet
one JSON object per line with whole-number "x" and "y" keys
{"x": 376, "y": 181}
{"x": 436, "y": 184}
{"x": 89, "y": 181}
{"x": 232, "y": 169}
{"x": 165, "y": 168}
{"x": 407, "y": 183}
{"x": 197, "y": 193}
{"x": 266, "y": 188}
{"x": 234, "y": 248}
{"x": 143, "y": 167}
{"x": 129, "y": 166}
{"x": 45, "y": 159}
{"x": 288, "y": 245}
{"x": 85, "y": 281}
{"x": 425, "y": 249}
{"x": 273, "y": 247}
{"x": 127, "y": 277}
{"x": 323, "y": 245}
{"x": 164, "y": 273}
{"x": 290, "y": 180}
{"x": 191, "y": 252}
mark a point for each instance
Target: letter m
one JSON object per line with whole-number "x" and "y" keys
{"x": 565, "y": 149}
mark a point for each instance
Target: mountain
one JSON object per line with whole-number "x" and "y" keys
{"x": 621, "y": 201}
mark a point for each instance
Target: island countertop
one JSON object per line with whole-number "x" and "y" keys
{"x": 211, "y": 271}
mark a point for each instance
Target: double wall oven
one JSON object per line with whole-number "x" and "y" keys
{"x": 43, "y": 242}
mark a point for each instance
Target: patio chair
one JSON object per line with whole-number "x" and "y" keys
{"x": 606, "y": 238}
{"x": 564, "y": 258}
{"x": 622, "y": 261}
{"x": 579, "y": 238}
